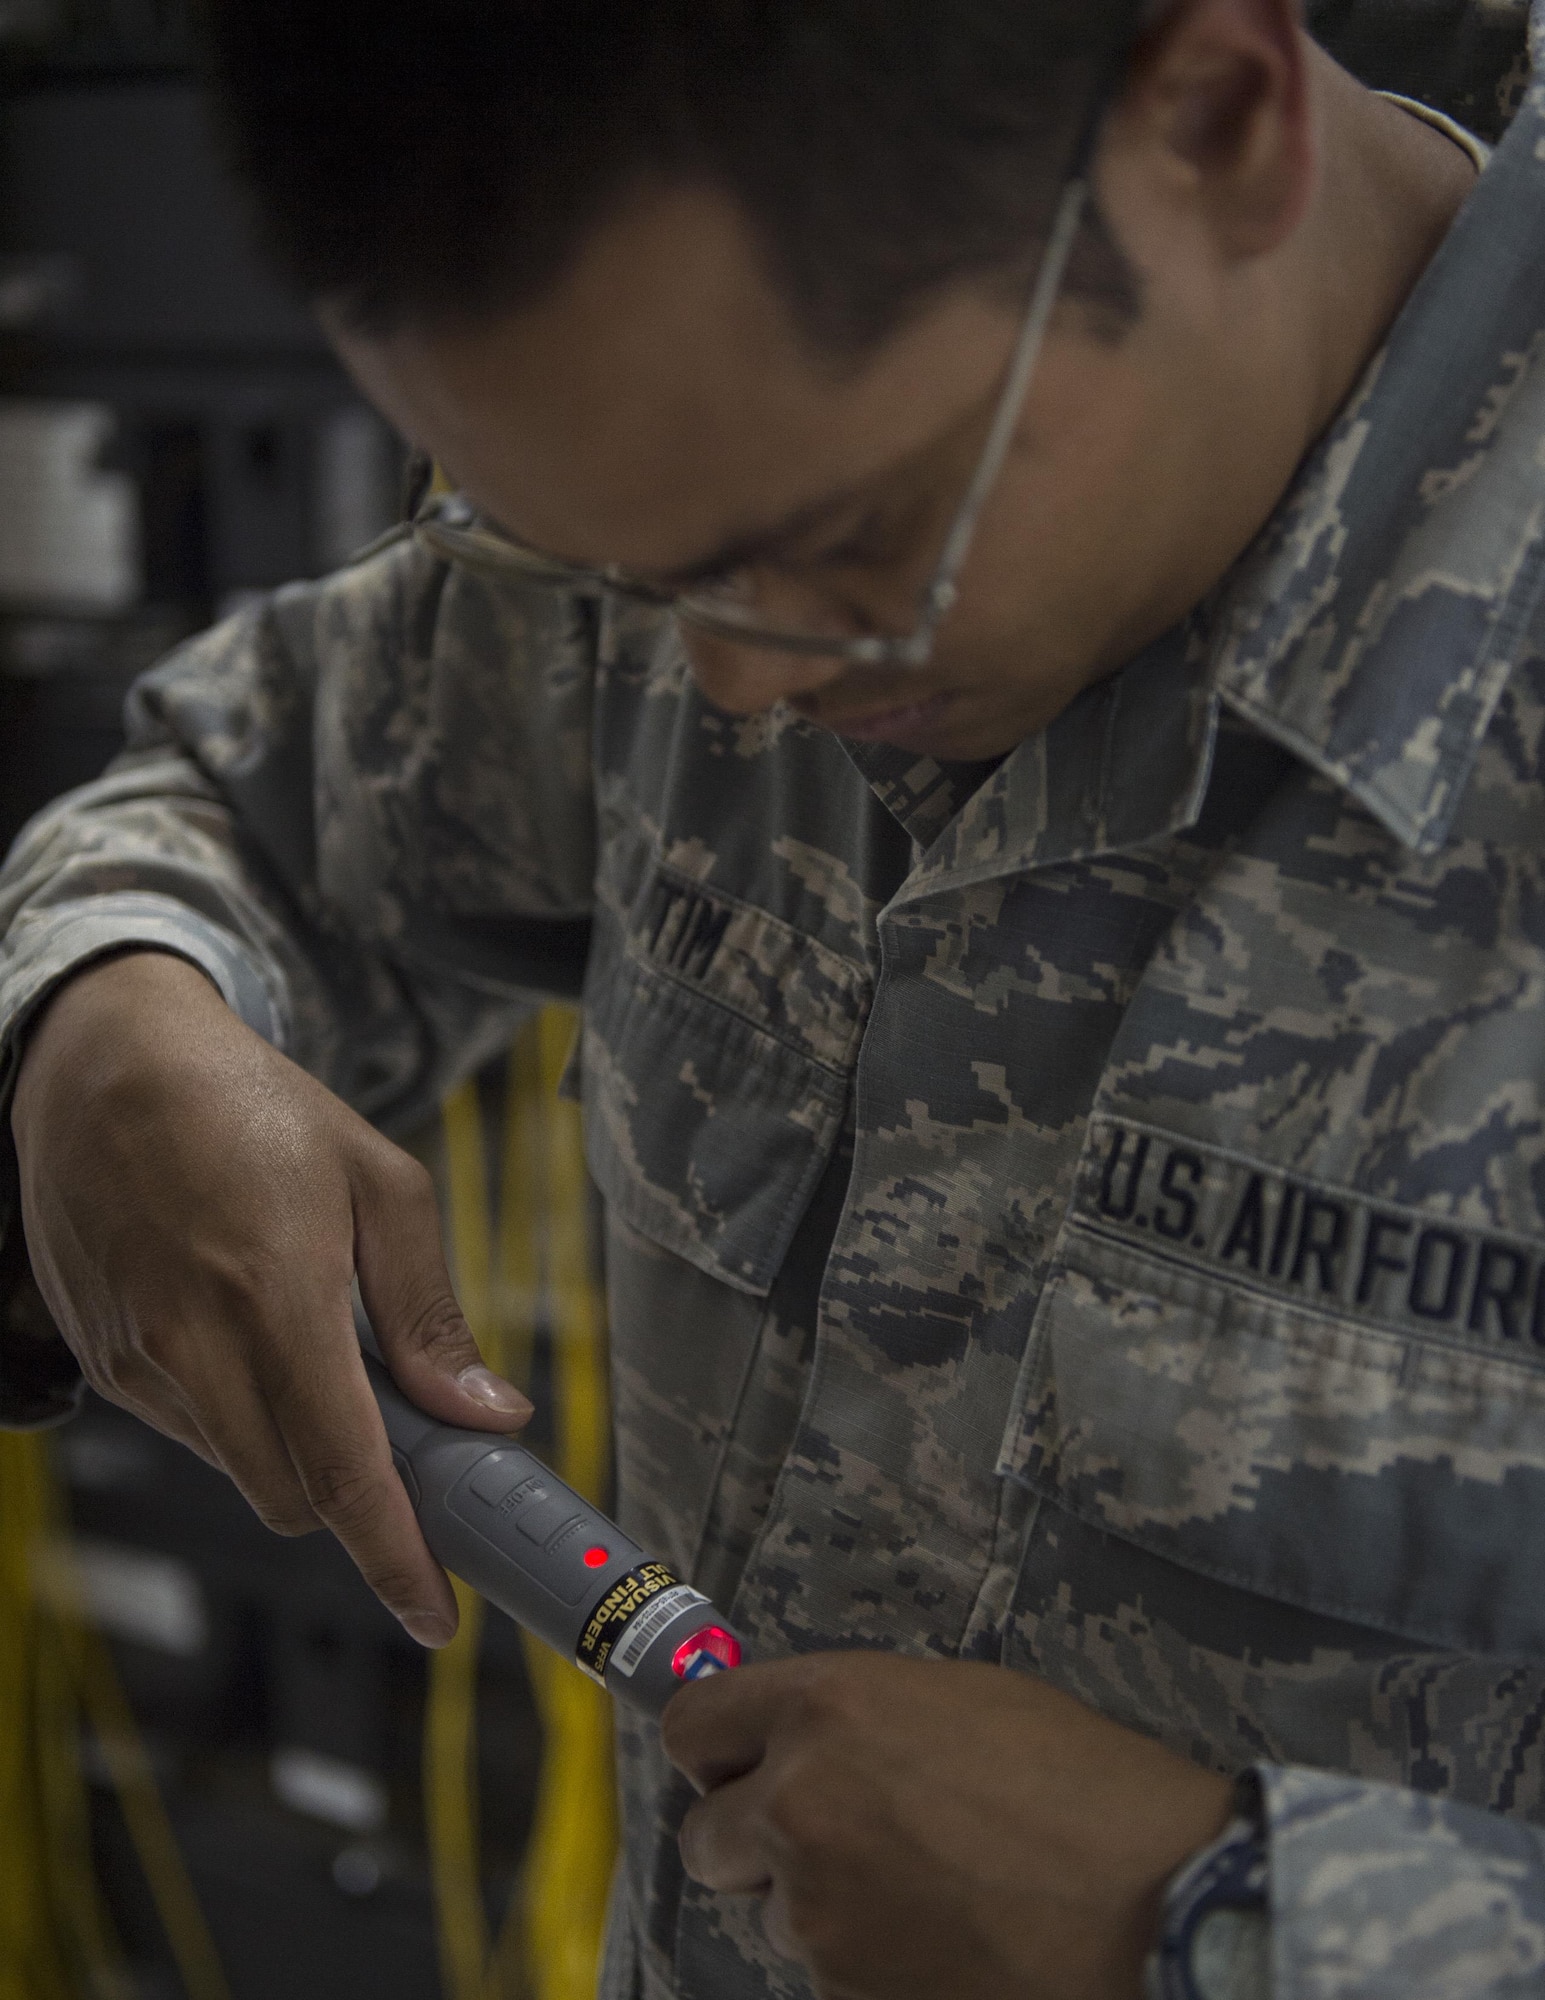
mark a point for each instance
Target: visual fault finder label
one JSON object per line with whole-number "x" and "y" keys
{"x": 630, "y": 1597}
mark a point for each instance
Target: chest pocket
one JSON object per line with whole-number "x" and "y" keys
{"x": 718, "y": 1045}
{"x": 1334, "y": 1402}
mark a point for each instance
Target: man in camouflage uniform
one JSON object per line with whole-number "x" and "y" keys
{"x": 1076, "y": 1207}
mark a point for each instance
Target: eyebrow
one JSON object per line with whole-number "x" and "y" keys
{"x": 752, "y": 545}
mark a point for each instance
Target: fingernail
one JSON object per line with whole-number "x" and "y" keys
{"x": 428, "y": 1627}
{"x": 488, "y": 1388}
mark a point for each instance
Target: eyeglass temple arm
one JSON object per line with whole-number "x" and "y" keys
{"x": 1027, "y": 352}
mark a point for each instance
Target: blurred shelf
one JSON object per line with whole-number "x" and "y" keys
{"x": 85, "y": 38}
{"x": 295, "y": 1654}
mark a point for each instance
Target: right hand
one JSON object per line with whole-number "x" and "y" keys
{"x": 196, "y": 1208}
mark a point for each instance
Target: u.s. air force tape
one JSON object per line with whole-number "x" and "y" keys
{"x": 637, "y": 1607}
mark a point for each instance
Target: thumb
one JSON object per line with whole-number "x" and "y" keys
{"x": 421, "y": 1330}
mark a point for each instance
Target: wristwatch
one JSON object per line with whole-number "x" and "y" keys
{"x": 1213, "y": 1944}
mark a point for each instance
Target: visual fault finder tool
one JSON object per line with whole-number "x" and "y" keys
{"x": 496, "y": 1516}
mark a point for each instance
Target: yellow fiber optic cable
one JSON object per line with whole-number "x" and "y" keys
{"x": 466, "y": 1172}
{"x": 155, "y": 1844}
{"x": 569, "y": 1862}
{"x": 451, "y": 1804}
{"x": 33, "y": 1958}
{"x": 47, "y": 1637}
{"x": 577, "y": 1310}
{"x": 518, "y": 1305}
{"x": 450, "y": 1716}
{"x": 53, "y": 1924}
{"x": 567, "y": 1877}
{"x": 541, "y": 1268}
{"x": 101, "y": 1970}
{"x": 522, "y": 1249}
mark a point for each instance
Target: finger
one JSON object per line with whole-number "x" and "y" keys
{"x": 724, "y": 1839}
{"x": 239, "y": 1433}
{"x": 322, "y": 1404}
{"x": 422, "y": 1332}
{"x": 140, "y": 1388}
{"x": 778, "y": 1924}
{"x": 199, "y": 1388}
{"x": 720, "y": 1727}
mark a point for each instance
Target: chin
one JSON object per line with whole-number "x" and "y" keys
{"x": 976, "y": 739}
{"x": 978, "y": 745}
{"x": 941, "y": 725}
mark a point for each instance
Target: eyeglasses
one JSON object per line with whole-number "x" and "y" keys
{"x": 450, "y": 529}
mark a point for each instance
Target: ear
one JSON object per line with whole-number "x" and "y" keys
{"x": 1216, "y": 115}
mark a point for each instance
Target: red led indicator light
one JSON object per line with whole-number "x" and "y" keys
{"x": 597, "y": 1557}
{"x": 710, "y": 1651}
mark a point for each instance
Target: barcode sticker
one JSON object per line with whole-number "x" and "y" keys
{"x": 612, "y": 1618}
{"x": 651, "y": 1622}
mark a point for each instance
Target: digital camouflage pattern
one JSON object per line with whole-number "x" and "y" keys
{"x": 1088, "y": 1213}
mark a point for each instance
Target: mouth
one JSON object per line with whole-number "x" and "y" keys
{"x": 911, "y": 726}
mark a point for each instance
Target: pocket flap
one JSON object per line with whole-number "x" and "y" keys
{"x": 1298, "y": 1451}
{"x": 703, "y": 1132}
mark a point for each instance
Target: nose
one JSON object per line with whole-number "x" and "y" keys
{"x": 747, "y": 679}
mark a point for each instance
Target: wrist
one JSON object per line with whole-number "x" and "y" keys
{"x": 137, "y": 983}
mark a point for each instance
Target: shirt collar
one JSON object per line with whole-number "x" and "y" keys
{"x": 1125, "y": 763}
{"x": 1373, "y": 625}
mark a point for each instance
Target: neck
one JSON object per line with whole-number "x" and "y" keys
{"x": 1301, "y": 337}
{"x": 1389, "y": 190}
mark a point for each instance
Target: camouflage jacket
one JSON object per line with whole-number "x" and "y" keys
{"x": 1088, "y": 1214}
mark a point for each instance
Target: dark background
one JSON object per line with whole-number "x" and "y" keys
{"x": 127, "y": 282}
{"x": 241, "y": 458}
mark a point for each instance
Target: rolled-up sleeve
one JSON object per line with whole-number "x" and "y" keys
{"x": 362, "y": 808}
{"x": 1379, "y": 1893}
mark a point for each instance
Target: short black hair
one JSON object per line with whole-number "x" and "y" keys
{"x": 419, "y": 162}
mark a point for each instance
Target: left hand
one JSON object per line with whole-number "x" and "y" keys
{"x": 932, "y": 1830}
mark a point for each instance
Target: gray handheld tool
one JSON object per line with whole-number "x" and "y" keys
{"x": 496, "y": 1516}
